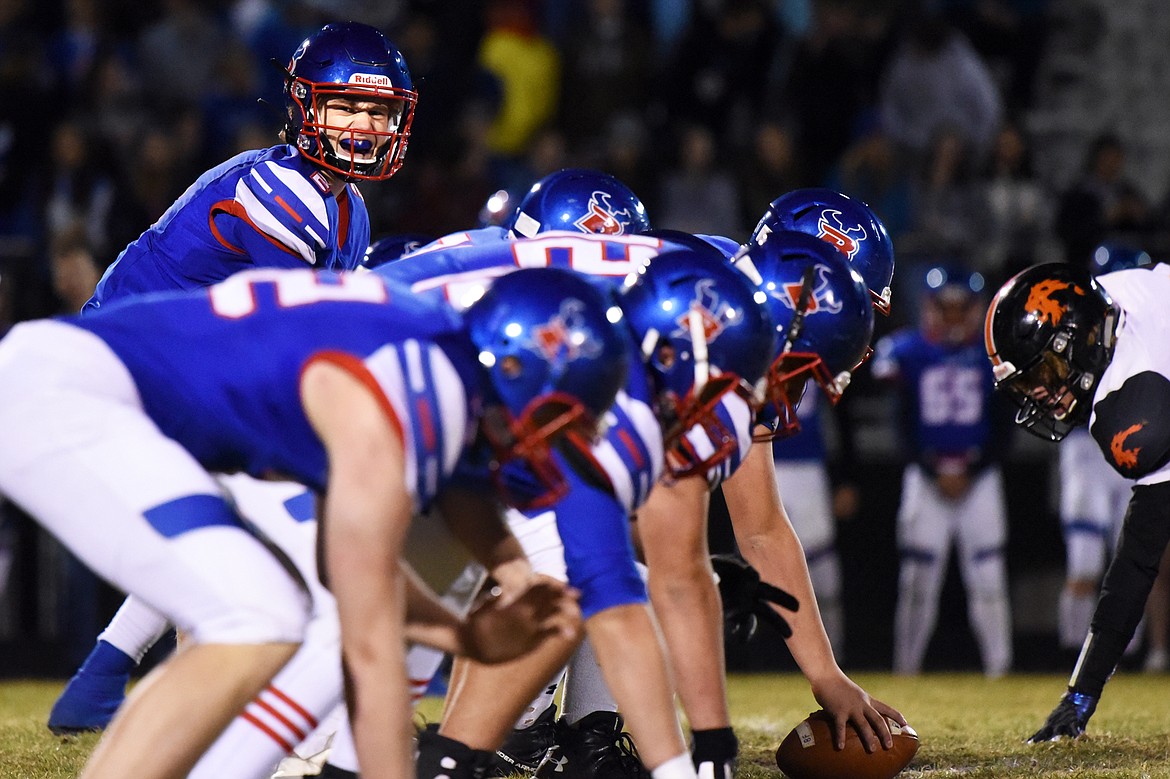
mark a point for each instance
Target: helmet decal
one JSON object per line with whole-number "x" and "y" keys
{"x": 1041, "y": 300}
{"x": 708, "y": 306}
{"x": 846, "y": 239}
{"x": 1125, "y": 458}
{"x": 822, "y": 301}
{"x": 602, "y": 217}
{"x": 566, "y": 335}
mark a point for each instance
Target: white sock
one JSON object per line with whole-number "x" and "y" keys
{"x": 679, "y": 767}
{"x": 135, "y": 628}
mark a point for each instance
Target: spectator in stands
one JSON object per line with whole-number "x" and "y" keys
{"x": 768, "y": 171}
{"x": 1101, "y": 203}
{"x": 699, "y": 195}
{"x": 1013, "y": 208}
{"x": 528, "y": 68}
{"x": 606, "y": 70}
{"x": 934, "y": 83}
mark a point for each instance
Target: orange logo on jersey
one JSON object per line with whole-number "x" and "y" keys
{"x": 1125, "y": 458}
{"x": 1040, "y": 298}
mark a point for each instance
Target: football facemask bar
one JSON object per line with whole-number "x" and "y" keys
{"x": 698, "y": 411}
{"x": 523, "y": 470}
{"x": 789, "y": 373}
{"x": 361, "y": 152}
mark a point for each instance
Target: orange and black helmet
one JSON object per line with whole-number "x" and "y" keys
{"x": 1049, "y": 335}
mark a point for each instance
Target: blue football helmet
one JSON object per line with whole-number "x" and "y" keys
{"x": 358, "y": 62}
{"x": 705, "y": 332}
{"x": 952, "y": 305}
{"x": 587, "y": 201}
{"x": 554, "y": 353}
{"x": 823, "y": 317}
{"x": 1112, "y": 256}
{"x": 392, "y": 247}
{"x": 848, "y": 224}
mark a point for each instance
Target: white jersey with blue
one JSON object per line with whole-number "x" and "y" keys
{"x": 269, "y": 208}
{"x": 218, "y": 369}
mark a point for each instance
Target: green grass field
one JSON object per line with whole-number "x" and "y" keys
{"x": 970, "y": 727}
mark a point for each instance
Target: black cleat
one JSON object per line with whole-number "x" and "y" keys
{"x": 525, "y": 751}
{"x": 439, "y": 756}
{"x": 594, "y": 748}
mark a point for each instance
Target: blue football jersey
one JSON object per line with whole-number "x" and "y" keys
{"x": 946, "y": 393}
{"x": 809, "y": 442}
{"x": 631, "y": 453}
{"x": 218, "y": 369}
{"x": 270, "y": 208}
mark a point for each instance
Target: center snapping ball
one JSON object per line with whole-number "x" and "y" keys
{"x": 807, "y": 752}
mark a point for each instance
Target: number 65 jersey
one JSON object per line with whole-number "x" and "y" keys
{"x": 218, "y": 370}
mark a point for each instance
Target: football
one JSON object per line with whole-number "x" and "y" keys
{"x": 807, "y": 752}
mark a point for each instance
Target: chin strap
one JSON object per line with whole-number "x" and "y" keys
{"x": 802, "y": 305}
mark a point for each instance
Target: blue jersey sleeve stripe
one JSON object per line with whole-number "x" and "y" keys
{"x": 276, "y": 225}
{"x": 425, "y": 418}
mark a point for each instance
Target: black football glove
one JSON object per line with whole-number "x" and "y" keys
{"x": 746, "y": 599}
{"x": 1068, "y": 719}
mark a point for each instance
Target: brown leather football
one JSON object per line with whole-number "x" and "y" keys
{"x": 807, "y": 752}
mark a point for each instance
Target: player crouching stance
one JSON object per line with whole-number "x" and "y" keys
{"x": 112, "y": 424}
{"x": 1072, "y": 350}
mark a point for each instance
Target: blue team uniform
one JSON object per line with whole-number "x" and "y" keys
{"x": 233, "y": 354}
{"x": 809, "y": 443}
{"x": 270, "y": 208}
{"x": 592, "y": 522}
{"x": 947, "y": 399}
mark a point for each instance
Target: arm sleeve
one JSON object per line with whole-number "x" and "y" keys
{"x": 1127, "y": 584}
{"x": 599, "y": 555}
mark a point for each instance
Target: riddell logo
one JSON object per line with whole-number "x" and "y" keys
{"x": 1041, "y": 300}
{"x": 1125, "y": 458}
{"x": 370, "y": 79}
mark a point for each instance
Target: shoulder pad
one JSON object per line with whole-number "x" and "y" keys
{"x": 1131, "y": 426}
{"x": 289, "y": 207}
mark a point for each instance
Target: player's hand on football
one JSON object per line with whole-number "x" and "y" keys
{"x": 851, "y": 706}
{"x": 747, "y": 599}
{"x": 1068, "y": 719}
{"x": 501, "y": 628}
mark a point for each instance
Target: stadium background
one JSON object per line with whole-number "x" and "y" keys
{"x": 708, "y": 109}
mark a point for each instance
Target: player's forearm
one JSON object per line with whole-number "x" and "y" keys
{"x": 376, "y": 676}
{"x": 673, "y": 529}
{"x": 428, "y": 620}
{"x": 634, "y": 667}
{"x": 687, "y": 606}
{"x": 768, "y": 542}
{"x": 781, "y": 563}
{"x": 479, "y": 525}
{"x": 1126, "y": 586}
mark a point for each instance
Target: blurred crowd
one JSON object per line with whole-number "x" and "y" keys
{"x": 708, "y": 109}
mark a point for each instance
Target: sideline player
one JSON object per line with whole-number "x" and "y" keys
{"x": 349, "y": 102}
{"x": 1072, "y": 350}
{"x": 952, "y": 489}
{"x": 116, "y": 420}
